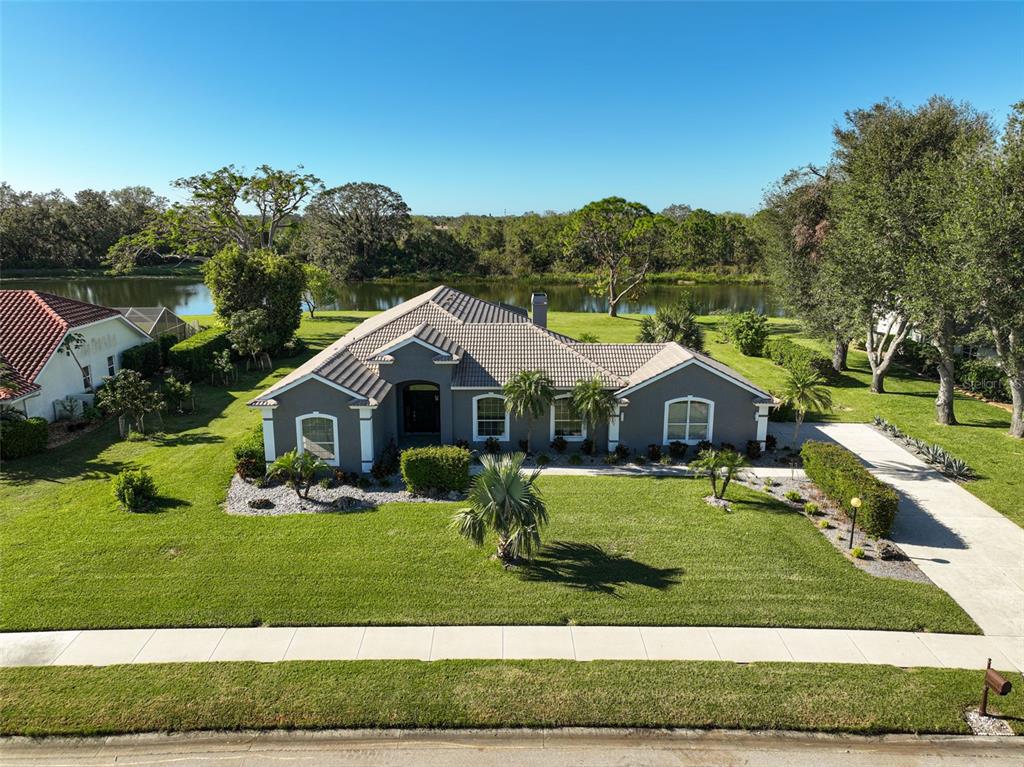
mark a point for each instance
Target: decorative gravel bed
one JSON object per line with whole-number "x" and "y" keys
{"x": 246, "y": 498}
{"x": 898, "y": 566}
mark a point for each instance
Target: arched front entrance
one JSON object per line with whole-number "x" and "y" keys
{"x": 421, "y": 410}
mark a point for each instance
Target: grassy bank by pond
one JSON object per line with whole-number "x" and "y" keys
{"x": 623, "y": 550}
{"x": 469, "y": 694}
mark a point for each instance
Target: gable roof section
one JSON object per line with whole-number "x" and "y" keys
{"x": 487, "y": 343}
{"x": 32, "y": 325}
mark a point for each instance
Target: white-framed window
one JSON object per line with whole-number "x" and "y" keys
{"x": 318, "y": 433}
{"x": 490, "y": 418}
{"x": 565, "y": 421}
{"x": 111, "y": 368}
{"x": 87, "y": 377}
{"x": 689, "y": 420}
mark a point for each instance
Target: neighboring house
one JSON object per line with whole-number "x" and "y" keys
{"x": 32, "y": 327}
{"x": 157, "y": 321}
{"x": 430, "y": 370}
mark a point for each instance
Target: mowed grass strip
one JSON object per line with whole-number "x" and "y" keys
{"x": 447, "y": 694}
{"x": 621, "y": 551}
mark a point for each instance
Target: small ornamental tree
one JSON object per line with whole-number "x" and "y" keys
{"x": 319, "y": 288}
{"x": 748, "y": 330}
{"x": 297, "y": 470}
{"x": 131, "y": 398}
{"x": 178, "y": 393}
{"x": 594, "y": 403}
{"x": 718, "y": 465}
{"x": 505, "y": 500}
{"x": 251, "y": 336}
{"x": 805, "y": 390}
{"x": 528, "y": 394}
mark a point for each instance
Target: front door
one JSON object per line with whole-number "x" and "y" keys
{"x": 421, "y": 409}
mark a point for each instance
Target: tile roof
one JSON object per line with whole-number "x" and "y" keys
{"x": 32, "y": 325}
{"x": 489, "y": 342}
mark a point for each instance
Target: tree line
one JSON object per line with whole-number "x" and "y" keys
{"x": 357, "y": 231}
{"x": 915, "y": 226}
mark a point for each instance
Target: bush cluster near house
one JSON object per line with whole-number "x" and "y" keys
{"x": 791, "y": 355}
{"x": 144, "y": 359}
{"x": 194, "y": 356}
{"x": 984, "y": 378}
{"x": 841, "y": 477}
{"x": 21, "y": 437}
{"x": 250, "y": 460}
{"x": 749, "y": 331}
{"x": 436, "y": 469}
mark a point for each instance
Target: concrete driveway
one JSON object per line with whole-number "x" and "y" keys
{"x": 966, "y": 547}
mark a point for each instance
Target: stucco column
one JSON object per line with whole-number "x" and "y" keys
{"x": 269, "y": 451}
{"x": 762, "y": 424}
{"x": 366, "y": 438}
{"x": 613, "y": 428}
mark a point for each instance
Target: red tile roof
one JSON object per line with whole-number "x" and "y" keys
{"x": 32, "y": 325}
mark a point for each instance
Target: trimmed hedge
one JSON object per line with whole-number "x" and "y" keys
{"x": 23, "y": 437}
{"x": 841, "y": 477}
{"x": 790, "y": 355}
{"x": 250, "y": 460}
{"x": 435, "y": 469}
{"x": 166, "y": 341}
{"x": 144, "y": 359}
{"x": 194, "y": 356}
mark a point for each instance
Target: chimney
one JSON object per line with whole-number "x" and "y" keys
{"x": 539, "y": 301}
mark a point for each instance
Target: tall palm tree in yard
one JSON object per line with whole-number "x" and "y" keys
{"x": 594, "y": 403}
{"x": 528, "y": 394}
{"x": 505, "y": 500}
{"x": 805, "y": 390}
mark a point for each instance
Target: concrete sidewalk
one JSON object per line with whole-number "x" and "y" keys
{"x": 963, "y": 545}
{"x": 580, "y": 643}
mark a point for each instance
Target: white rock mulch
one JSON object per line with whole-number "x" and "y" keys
{"x": 335, "y": 500}
{"x": 986, "y": 725}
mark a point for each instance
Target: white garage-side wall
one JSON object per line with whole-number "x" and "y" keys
{"x": 61, "y": 377}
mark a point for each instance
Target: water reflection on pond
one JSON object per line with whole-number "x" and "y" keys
{"x": 188, "y": 295}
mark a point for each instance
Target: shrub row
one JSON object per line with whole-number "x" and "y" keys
{"x": 22, "y": 437}
{"x": 841, "y": 477}
{"x": 791, "y": 355}
{"x": 435, "y": 469}
{"x": 194, "y": 356}
{"x": 983, "y": 378}
{"x": 143, "y": 359}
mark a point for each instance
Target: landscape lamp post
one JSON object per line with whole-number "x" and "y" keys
{"x": 855, "y": 503}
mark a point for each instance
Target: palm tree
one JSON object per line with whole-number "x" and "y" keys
{"x": 719, "y": 464}
{"x": 297, "y": 470}
{"x": 594, "y": 403}
{"x": 505, "y": 500}
{"x": 528, "y": 394}
{"x": 673, "y": 323}
{"x": 805, "y": 390}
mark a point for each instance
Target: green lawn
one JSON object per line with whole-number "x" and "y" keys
{"x": 981, "y": 439}
{"x": 391, "y": 694}
{"x": 623, "y": 550}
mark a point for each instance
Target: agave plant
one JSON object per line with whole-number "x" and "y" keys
{"x": 505, "y": 500}
{"x": 878, "y": 422}
{"x": 957, "y": 469}
{"x": 920, "y": 446}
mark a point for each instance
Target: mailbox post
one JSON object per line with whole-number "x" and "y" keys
{"x": 855, "y": 503}
{"x": 993, "y": 681}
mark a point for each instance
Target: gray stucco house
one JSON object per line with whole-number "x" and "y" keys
{"x": 430, "y": 370}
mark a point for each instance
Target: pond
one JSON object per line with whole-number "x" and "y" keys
{"x": 188, "y": 295}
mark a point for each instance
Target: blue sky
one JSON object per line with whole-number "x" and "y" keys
{"x": 481, "y": 108}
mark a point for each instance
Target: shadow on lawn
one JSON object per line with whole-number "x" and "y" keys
{"x": 318, "y": 338}
{"x": 591, "y": 568}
